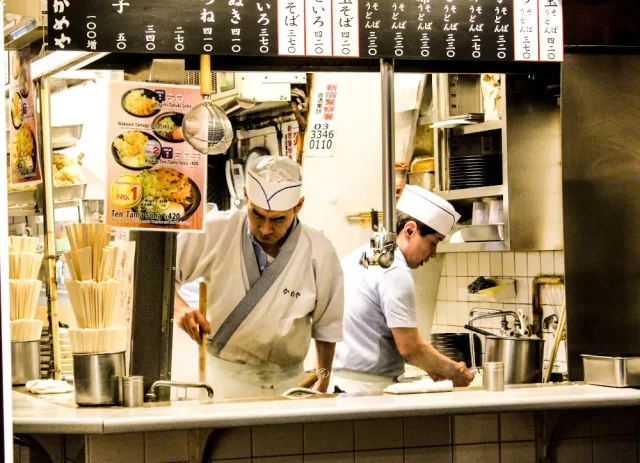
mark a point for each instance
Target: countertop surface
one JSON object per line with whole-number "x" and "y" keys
{"x": 59, "y": 414}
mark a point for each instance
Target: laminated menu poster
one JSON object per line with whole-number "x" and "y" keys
{"x": 155, "y": 179}
{"x": 23, "y": 143}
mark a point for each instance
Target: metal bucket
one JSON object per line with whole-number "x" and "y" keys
{"x": 98, "y": 378}
{"x": 522, "y": 358}
{"x": 25, "y": 362}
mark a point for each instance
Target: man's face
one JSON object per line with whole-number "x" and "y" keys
{"x": 419, "y": 249}
{"x": 269, "y": 227}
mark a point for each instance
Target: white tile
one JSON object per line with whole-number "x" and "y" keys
{"x": 452, "y": 289}
{"x": 231, "y": 443}
{"x": 441, "y": 312}
{"x": 329, "y": 437}
{"x": 463, "y": 293}
{"x": 475, "y": 429}
{"x": 342, "y": 457}
{"x": 442, "y": 289}
{"x": 280, "y": 439}
{"x": 106, "y": 448}
{"x": 452, "y": 268}
{"x": 546, "y": 263}
{"x": 485, "y": 264}
{"x": 166, "y": 446}
{"x": 508, "y": 264}
{"x": 533, "y": 264}
{"x": 521, "y": 264}
{"x": 574, "y": 451}
{"x": 520, "y": 452}
{"x": 379, "y": 434}
{"x": 522, "y": 291}
{"x": 558, "y": 264}
{"x": 473, "y": 264}
{"x": 615, "y": 422}
{"x": 575, "y": 424}
{"x": 461, "y": 264}
{"x": 426, "y": 431}
{"x": 484, "y": 453}
{"x": 463, "y": 313}
{"x": 517, "y": 427}
{"x": 289, "y": 459}
{"x": 619, "y": 449}
{"x": 443, "y": 269}
{"x": 530, "y": 289}
{"x": 496, "y": 264}
{"x": 381, "y": 456}
{"x": 429, "y": 454}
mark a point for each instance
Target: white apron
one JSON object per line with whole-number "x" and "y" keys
{"x": 352, "y": 382}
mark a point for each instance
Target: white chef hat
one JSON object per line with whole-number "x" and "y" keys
{"x": 428, "y": 208}
{"x": 274, "y": 183}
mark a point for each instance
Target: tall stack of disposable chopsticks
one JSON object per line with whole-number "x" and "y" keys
{"x": 93, "y": 290}
{"x": 24, "y": 288}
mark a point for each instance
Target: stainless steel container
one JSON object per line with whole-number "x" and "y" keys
{"x": 480, "y": 233}
{"x": 612, "y": 371}
{"x": 98, "y": 378}
{"x": 522, "y": 358}
{"x": 493, "y": 376}
{"x": 133, "y": 391}
{"x": 69, "y": 192}
{"x": 25, "y": 362}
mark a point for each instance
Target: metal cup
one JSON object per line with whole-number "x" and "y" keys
{"x": 98, "y": 378}
{"x": 493, "y": 376}
{"x": 25, "y": 362}
{"x": 133, "y": 391}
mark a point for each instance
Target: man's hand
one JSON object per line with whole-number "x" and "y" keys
{"x": 321, "y": 385}
{"x": 460, "y": 376}
{"x": 192, "y": 322}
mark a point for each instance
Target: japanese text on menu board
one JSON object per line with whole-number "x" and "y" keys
{"x": 24, "y": 165}
{"x": 464, "y": 30}
{"x": 155, "y": 179}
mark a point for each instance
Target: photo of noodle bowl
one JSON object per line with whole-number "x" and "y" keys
{"x": 23, "y": 152}
{"x": 168, "y": 196}
{"x": 141, "y": 102}
{"x": 136, "y": 150}
{"x": 15, "y": 65}
{"x": 16, "y": 110}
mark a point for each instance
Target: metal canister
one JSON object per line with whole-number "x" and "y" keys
{"x": 25, "y": 362}
{"x": 98, "y": 378}
{"x": 133, "y": 391}
{"x": 493, "y": 376}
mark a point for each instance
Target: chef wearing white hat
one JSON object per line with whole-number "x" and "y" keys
{"x": 272, "y": 284}
{"x": 380, "y": 324}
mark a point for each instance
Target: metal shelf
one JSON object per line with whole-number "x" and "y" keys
{"x": 478, "y": 128}
{"x": 471, "y": 193}
{"x": 473, "y": 247}
{"x": 23, "y": 212}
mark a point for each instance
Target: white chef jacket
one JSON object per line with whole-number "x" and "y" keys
{"x": 376, "y": 300}
{"x": 306, "y": 300}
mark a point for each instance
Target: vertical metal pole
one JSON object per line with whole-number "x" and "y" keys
{"x": 49, "y": 222}
{"x": 388, "y": 147}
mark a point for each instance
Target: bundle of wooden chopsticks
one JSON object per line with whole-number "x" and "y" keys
{"x": 93, "y": 290}
{"x": 24, "y": 288}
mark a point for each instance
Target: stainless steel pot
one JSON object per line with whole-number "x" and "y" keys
{"x": 98, "y": 378}
{"x": 25, "y": 362}
{"x": 522, "y": 358}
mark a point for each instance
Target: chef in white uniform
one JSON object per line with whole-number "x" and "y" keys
{"x": 272, "y": 284}
{"x": 380, "y": 325}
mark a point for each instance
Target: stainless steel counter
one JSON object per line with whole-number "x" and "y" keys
{"x": 58, "y": 415}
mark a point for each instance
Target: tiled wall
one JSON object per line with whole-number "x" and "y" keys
{"x": 460, "y": 269}
{"x": 594, "y": 436}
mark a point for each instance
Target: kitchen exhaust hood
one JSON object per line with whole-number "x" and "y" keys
{"x": 25, "y": 22}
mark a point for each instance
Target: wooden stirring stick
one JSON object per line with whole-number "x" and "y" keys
{"x": 202, "y": 351}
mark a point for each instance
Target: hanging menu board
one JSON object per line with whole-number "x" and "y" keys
{"x": 155, "y": 179}
{"x": 461, "y": 30}
{"x": 24, "y": 165}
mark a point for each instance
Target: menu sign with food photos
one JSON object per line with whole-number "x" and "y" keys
{"x": 456, "y": 30}
{"x": 24, "y": 163}
{"x": 155, "y": 179}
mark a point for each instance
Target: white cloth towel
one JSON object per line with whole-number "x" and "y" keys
{"x": 48, "y": 386}
{"x": 420, "y": 387}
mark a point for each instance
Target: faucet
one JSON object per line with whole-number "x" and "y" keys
{"x": 152, "y": 397}
{"x": 493, "y": 313}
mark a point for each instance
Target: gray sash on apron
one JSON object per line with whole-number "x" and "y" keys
{"x": 260, "y": 284}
